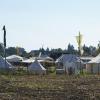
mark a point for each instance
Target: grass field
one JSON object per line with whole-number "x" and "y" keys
{"x": 49, "y": 87}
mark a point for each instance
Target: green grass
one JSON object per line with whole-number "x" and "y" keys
{"x": 51, "y": 71}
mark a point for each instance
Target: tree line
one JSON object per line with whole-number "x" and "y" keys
{"x": 54, "y": 53}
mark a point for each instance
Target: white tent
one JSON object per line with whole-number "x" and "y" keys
{"x": 30, "y": 60}
{"x": 2, "y": 64}
{"x": 44, "y": 57}
{"x": 36, "y": 68}
{"x": 67, "y": 61}
{"x": 14, "y": 58}
{"x": 93, "y": 66}
{"x": 40, "y": 58}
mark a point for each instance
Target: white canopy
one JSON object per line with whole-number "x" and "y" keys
{"x": 95, "y": 59}
{"x": 40, "y": 59}
{"x": 30, "y": 60}
{"x": 14, "y": 58}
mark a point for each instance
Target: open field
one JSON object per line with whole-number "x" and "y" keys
{"x": 54, "y": 87}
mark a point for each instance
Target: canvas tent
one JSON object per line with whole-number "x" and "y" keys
{"x": 14, "y": 58}
{"x": 69, "y": 62}
{"x": 40, "y": 58}
{"x": 2, "y": 64}
{"x": 29, "y": 61}
{"x": 93, "y": 66}
{"x": 44, "y": 57}
{"x": 45, "y": 60}
{"x": 36, "y": 68}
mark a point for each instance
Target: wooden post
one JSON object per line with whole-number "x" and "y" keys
{"x": 4, "y": 29}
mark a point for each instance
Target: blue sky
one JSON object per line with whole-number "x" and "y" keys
{"x": 51, "y": 23}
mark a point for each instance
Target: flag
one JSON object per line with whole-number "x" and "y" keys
{"x": 4, "y": 36}
{"x": 79, "y": 41}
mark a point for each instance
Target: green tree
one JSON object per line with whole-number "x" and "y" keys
{"x": 21, "y": 51}
{"x": 86, "y": 50}
{"x": 98, "y": 48}
{"x": 92, "y": 50}
{"x": 11, "y": 51}
{"x": 70, "y": 49}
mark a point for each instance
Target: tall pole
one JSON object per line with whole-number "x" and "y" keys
{"x": 4, "y": 29}
{"x": 79, "y": 40}
{"x": 81, "y": 69}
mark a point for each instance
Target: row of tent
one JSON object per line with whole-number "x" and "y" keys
{"x": 16, "y": 58}
{"x": 35, "y": 67}
{"x": 64, "y": 63}
{"x": 76, "y": 63}
{"x": 33, "y": 64}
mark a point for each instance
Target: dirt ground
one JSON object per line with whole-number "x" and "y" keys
{"x": 49, "y": 87}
